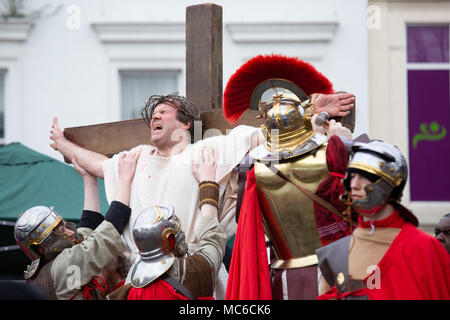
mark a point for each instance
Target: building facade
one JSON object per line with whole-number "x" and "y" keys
{"x": 90, "y": 62}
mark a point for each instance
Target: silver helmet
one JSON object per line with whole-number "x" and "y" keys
{"x": 35, "y": 227}
{"x": 158, "y": 236}
{"x": 385, "y": 166}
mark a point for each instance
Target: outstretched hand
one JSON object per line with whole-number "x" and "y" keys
{"x": 205, "y": 168}
{"x": 337, "y": 105}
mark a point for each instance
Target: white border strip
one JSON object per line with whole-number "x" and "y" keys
{"x": 428, "y": 66}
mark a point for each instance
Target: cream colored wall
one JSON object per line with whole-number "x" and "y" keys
{"x": 388, "y": 83}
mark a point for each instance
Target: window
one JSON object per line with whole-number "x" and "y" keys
{"x": 2, "y": 105}
{"x": 138, "y": 86}
{"x": 428, "y": 111}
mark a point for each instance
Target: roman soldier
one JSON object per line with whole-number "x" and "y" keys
{"x": 65, "y": 261}
{"x": 386, "y": 257}
{"x": 294, "y": 185}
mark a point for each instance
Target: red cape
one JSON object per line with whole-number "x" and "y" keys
{"x": 416, "y": 267}
{"x": 249, "y": 278}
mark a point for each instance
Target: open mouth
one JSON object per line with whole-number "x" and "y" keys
{"x": 157, "y": 127}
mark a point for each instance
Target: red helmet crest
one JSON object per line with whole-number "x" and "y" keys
{"x": 242, "y": 84}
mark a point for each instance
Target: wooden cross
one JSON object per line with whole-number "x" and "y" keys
{"x": 203, "y": 88}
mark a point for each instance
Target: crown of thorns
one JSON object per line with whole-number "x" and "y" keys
{"x": 174, "y": 100}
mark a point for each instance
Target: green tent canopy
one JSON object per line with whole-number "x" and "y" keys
{"x": 29, "y": 178}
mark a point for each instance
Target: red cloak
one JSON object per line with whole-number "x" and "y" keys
{"x": 249, "y": 278}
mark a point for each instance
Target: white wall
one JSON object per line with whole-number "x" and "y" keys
{"x": 73, "y": 73}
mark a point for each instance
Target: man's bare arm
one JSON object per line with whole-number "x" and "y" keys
{"x": 89, "y": 160}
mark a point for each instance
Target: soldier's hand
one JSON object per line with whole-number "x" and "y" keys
{"x": 336, "y": 128}
{"x": 126, "y": 165}
{"x": 205, "y": 168}
{"x": 79, "y": 168}
{"x": 315, "y": 127}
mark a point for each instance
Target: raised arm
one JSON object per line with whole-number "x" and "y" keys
{"x": 89, "y": 160}
{"x": 100, "y": 247}
{"x": 205, "y": 171}
{"x": 212, "y": 238}
{"x": 91, "y": 200}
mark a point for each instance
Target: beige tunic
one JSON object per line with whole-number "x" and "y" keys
{"x": 366, "y": 249}
{"x": 76, "y": 266}
{"x": 211, "y": 246}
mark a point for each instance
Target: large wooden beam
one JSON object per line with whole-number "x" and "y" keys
{"x": 114, "y": 137}
{"x": 110, "y": 138}
{"x": 204, "y": 56}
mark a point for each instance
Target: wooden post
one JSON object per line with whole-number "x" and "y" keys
{"x": 204, "y": 56}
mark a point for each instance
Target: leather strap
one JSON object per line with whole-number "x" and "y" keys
{"x": 333, "y": 263}
{"x": 242, "y": 169}
{"x": 179, "y": 287}
{"x": 310, "y": 194}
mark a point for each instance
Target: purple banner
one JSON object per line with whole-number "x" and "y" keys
{"x": 429, "y": 136}
{"x": 428, "y": 44}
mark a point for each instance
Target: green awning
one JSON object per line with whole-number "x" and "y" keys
{"x": 29, "y": 178}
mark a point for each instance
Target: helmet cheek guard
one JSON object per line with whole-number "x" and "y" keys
{"x": 377, "y": 195}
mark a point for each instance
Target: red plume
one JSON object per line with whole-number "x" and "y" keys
{"x": 239, "y": 89}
